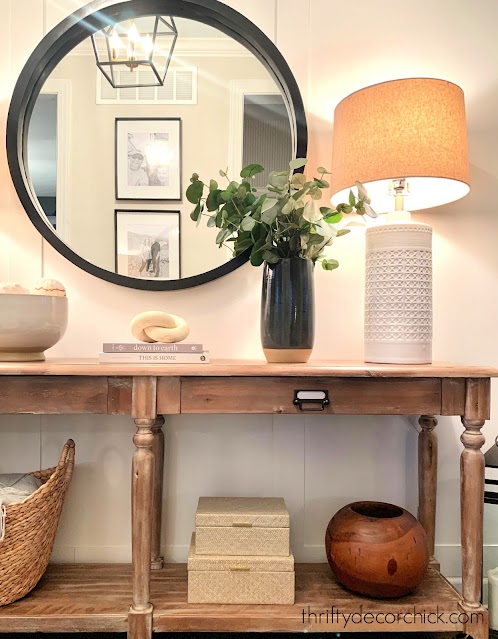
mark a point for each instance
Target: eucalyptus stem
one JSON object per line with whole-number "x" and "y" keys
{"x": 300, "y": 232}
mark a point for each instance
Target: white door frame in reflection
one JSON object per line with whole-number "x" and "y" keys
{"x": 63, "y": 90}
{"x": 238, "y": 90}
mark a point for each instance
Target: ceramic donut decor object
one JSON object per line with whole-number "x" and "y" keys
{"x": 156, "y": 326}
{"x": 46, "y": 286}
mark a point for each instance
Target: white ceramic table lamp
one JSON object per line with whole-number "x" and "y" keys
{"x": 401, "y": 139}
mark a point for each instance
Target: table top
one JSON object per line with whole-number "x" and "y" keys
{"x": 244, "y": 368}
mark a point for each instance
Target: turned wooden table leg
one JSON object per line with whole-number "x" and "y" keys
{"x": 140, "y": 618}
{"x": 144, "y": 400}
{"x": 158, "y": 450}
{"x": 472, "y": 508}
{"x": 427, "y": 480}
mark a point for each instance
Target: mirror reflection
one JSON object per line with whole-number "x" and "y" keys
{"x": 110, "y": 166}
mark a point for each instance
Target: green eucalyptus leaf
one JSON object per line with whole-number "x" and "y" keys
{"x": 213, "y": 185}
{"x": 294, "y": 243}
{"x": 212, "y": 221}
{"x": 289, "y": 206}
{"x": 247, "y": 223}
{"x": 194, "y": 191}
{"x": 257, "y": 253}
{"x": 298, "y": 163}
{"x": 279, "y": 180}
{"x": 234, "y": 219}
{"x": 362, "y": 192}
{"x": 270, "y": 257}
{"x": 326, "y": 210}
{"x": 213, "y": 200}
{"x": 223, "y": 235}
{"x": 315, "y": 239}
{"x": 270, "y": 206}
{"x": 351, "y": 199}
{"x": 343, "y": 232}
{"x": 251, "y": 170}
{"x": 335, "y": 218}
{"x": 195, "y": 177}
{"x": 298, "y": 180}
{"x": 258, "y": 233}
{"x": 299, "y": 194}
{"x": 196, "y": 213}
{"x": 323, "y": 171}
{"x": 227, "y": 194}
{"x": 270, "y": 215}
{"x": 241, "y": 193}
{"x": 242, "y": 245}
{"x": 330, "y": 265}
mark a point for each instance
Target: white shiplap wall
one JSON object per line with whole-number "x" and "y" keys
{"x": 318, "y": 464}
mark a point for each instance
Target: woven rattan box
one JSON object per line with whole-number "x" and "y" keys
{"x": 229, "y": 579}
{"x": 242, "y": 526}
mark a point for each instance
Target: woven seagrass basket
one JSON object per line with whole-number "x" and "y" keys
{"x": 30, "y": 530}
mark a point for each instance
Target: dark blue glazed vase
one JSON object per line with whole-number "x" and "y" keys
{"x": 288, "y": 310}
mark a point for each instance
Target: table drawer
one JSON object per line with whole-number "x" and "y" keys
{"x": 49, "y": 395}
{"x": 369, "y": 396}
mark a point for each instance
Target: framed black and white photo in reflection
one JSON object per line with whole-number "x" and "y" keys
{"x": 148, "y": 159}
{"x": 147, "y": 244}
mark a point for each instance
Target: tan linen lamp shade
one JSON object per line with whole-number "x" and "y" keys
{"x": 413, "y": 129}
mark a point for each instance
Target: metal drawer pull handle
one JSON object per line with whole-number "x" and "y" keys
{"x": 238, "y": 569}
{"x": 241, "y": 525}
{"x": 308, "y": 399}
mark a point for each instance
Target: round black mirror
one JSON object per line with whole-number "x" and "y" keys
{"x": 101, "y": 156}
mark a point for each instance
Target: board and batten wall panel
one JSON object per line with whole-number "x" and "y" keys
{"x": 20, "y": 243}
{"x": 317, "y": 464}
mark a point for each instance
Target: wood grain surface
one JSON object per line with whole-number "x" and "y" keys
{"x": 86, "y": 598}
{"x": 246, "y": 368}
{"x": 427, "y": 478}
{"x": 347, "y": 396}
{"x": 61, "y": 395}
{"x": 315, "y": 587}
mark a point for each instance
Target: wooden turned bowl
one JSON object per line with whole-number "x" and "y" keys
{"x": 377, "y": 549}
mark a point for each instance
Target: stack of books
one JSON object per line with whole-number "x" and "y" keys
{"x": 157, "y": 353}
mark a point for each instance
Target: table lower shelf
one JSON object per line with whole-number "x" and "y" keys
{"x": 86, "y": 597}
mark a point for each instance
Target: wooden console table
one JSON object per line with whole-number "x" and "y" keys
{"x": 86, "y": 598}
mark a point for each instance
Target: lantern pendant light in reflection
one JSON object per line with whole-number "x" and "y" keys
{"x": 136, "y": 53}
{"x": 401, "y": 139}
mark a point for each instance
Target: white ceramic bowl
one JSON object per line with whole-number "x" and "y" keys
{"x": 29, "y": 324}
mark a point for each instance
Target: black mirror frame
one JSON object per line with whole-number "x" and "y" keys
{"x": 73, "y": 30}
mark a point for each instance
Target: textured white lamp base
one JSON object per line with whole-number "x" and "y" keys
{"x": 398, "y": 294}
